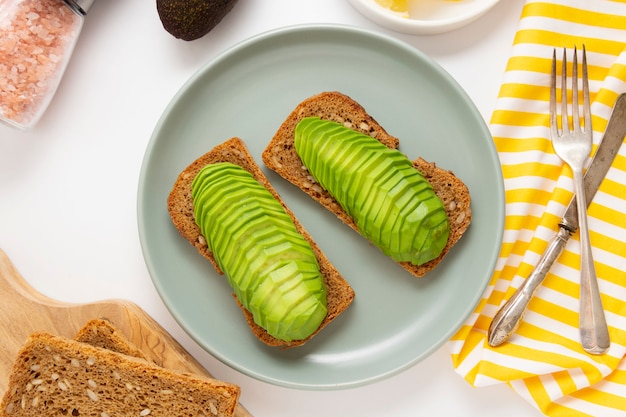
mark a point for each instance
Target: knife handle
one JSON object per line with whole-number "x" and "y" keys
{"x": 509, "y": 316}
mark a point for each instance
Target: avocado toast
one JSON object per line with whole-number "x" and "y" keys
{"x": 281, "y": 156}
{"x": 180, "y": 202}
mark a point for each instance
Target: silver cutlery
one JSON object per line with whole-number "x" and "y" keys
{"x": 508, "y": 317}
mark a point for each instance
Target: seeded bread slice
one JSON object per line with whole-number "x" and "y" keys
{"x": 55, "y": 376}
{"x": 339, "y": 293}
{"x": 101, "y": 333}
{"x": 280, "y": 155}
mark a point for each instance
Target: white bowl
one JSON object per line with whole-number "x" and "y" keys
{"x": 428, "y": 17}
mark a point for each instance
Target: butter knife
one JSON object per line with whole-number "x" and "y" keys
{"x": 507, "y": 319}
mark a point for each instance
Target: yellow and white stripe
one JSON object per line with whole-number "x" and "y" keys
{"x": 543, "y": 361}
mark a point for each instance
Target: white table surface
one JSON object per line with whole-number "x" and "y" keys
{"x": 68, "y": 187}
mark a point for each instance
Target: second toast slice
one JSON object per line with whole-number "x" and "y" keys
{"x": 180, "y": 206}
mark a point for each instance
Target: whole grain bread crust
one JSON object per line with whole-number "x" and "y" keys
{"x": 180, "y": 206}
{"x": 280, "y": 156}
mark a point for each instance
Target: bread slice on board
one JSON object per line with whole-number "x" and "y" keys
{"x": 55, "y": 376}
{"x": 280, "y": 155}
{"x": 180, "y": 206}
{"x": 101, "y": 333}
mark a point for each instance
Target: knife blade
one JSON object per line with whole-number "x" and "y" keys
{"x": 508, "y": 317}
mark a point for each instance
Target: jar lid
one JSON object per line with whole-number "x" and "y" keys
{"x": 81, "y": 6}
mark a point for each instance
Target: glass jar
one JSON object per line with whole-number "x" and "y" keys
{"x": 37, "y": 38}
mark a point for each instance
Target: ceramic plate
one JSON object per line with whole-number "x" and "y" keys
{"x": 428, "y": 17}
{"x": 396, "y": 320}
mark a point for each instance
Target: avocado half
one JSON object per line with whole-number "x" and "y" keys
{"x": 268, "y": 263}
{"x": 391, "y": 202}
{"x": 192, "y": 19}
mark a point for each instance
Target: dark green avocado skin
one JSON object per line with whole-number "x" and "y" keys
{"x": 192, "y": 19}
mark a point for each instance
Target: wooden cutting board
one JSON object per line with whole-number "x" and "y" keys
{"x": 24, "y": 311}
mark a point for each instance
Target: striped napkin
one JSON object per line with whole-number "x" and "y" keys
{"x": 543, "y": 361}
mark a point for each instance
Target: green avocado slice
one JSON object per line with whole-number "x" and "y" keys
{"x": 272, "y": 269}
{"x": 391, "y": 202}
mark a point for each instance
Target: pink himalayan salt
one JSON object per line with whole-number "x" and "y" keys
{"x": 36, "y": 42}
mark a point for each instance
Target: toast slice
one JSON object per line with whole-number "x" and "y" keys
{"x": 280, "y": 156}
{"x": 180, "y": 206}
{"x": 101, "y": 333}
{"x": 54, "y": 376}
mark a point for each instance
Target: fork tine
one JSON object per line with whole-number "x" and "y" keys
{"x": 586, "y": 103}
{"x": 575, "y": 114}
{"x": 564, "y": 117}
{"x": 554, "y": 130}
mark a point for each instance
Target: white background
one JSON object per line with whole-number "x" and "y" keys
{"x": 68, "y": 187}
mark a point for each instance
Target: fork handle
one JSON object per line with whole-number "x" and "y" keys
{"x": 594, "y": 332}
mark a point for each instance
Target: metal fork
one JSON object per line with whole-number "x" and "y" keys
{"x": 573, "y": 147}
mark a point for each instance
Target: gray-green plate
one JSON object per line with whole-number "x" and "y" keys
{"x": 396, "y": 320}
